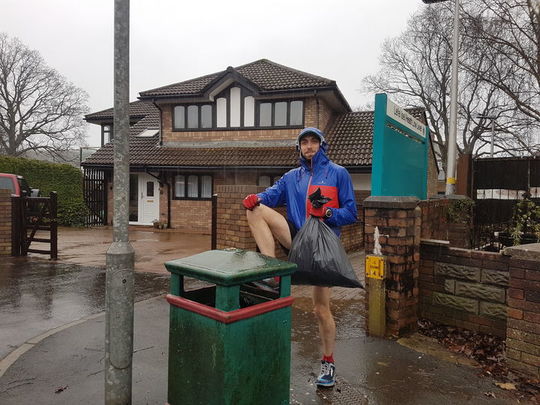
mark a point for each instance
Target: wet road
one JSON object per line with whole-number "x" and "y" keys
{"x": 39, "y": 295}
{"x": 88, "y": 246}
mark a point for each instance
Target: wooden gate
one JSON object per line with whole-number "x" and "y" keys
{"x": 34, "y": 219}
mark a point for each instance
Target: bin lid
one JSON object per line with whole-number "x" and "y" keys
{"x": 230, "y": 267}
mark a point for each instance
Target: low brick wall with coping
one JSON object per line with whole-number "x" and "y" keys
{"x": 497, "y": 293}
{"x": 523, "y": 328}
{"x": 435, "y": 224}
{"x": 233, "y": 230}
{"x": 463, "y": 288}
{"x": 5, "y": 222}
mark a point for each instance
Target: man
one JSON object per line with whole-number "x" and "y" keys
{"x": 315, "y": 171}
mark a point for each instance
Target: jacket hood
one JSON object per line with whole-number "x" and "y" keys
{"x": 312, "y": 131}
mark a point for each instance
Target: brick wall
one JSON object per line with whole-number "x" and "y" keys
{"x": 192, "y": 216}
{"x": 435, "y": 224}
{"x": 523, "y": 329}
{"x": 5, "y": 222}
{"x": 232, "y": 226}
{"x": 398, "y": 220}
{"x": 463, "y": 288}
{"x": 317, "y": 114}
{"x": 233, "y": 229}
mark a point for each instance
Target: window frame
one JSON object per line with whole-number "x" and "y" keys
{"x": 273, "y": 178}
{"x": 199, "y": 117}
{"x": 110, "y": 132}
{"x": 273, "y": 112}
{"x": 199, "y": 186}
{"x": 226, "y": 94}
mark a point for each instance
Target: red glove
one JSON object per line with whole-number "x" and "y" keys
{"x": 317, "y": 212}
{"x": 251, "y": 201}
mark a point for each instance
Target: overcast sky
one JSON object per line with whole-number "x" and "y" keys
{"x": 174, "y": 40}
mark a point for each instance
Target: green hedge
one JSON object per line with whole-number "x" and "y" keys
{"x": 66, "y": 180}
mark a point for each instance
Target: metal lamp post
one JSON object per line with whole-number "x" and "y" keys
{"x": 452, "y": 135}
{"x": 120, "y": 256}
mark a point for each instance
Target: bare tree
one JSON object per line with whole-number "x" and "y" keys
{"x": 509, "y": 31}
{"x": 39, "y": 109}
{"x": 416, "y": 69}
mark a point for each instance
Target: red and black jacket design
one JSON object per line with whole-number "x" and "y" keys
{"x": 293, "y": 188}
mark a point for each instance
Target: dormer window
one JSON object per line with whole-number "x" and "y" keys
{"x": 193, "y": 116}
{"x": 236, "y": 108}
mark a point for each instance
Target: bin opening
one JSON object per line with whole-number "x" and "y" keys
{"x": 249, "y": 296}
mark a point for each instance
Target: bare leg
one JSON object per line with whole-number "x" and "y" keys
{"x": 327, "y": 326}
{"x": 265, "y": 223}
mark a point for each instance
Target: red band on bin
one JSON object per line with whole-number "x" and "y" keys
{"x": 229, "y": 317}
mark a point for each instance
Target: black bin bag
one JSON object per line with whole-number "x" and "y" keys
{"x": 320, "y": 256}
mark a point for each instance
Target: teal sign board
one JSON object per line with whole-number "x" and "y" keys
{"x": 400, "y": 152}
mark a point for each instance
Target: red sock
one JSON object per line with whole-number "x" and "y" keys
{"x": 329, "y": 359}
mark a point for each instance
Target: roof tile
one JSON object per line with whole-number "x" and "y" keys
{"x": 265, "y": 74}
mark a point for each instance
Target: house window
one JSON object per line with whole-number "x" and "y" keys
{"x": 281, "y": 113}
{"x": 206, "y": 186}
{"x": 106, "y": 134}
{"x": 206, "y": 116}
{"x": 179, "y": 116}
{"x": 249, "y": 111}
{"x": 297, "y": 109}
{"x": 221, "y": 112}
{"x": 192, "y": 186}
{"x": 149, "y": 188}
{"x": 266, "y": 180}
{"x": 179, "y": 186}
{"x": 235, "y": 107}
{"x": 192, "y": 116}
{"x": 265, "y": 119}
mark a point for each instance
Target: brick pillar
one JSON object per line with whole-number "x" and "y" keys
{"x": 399, "y": 223}
{"x": 523, "y": 322}
{"x": 5, "y": 222}
{"x": 232, "y": 226}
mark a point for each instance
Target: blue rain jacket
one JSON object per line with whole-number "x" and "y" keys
{"x": 293, "y": 188}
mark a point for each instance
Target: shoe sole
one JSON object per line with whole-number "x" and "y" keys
{"x": 326, "y": 385}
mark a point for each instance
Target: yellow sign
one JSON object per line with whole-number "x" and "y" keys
{"x": 375, "y": 267}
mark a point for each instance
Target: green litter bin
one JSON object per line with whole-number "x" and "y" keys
{"x": 229, "y": 343}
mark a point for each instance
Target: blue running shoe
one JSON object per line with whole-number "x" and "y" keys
{"x": 327, "y": 378}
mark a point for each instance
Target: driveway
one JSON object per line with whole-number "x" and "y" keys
{"x": 88, "y": 246}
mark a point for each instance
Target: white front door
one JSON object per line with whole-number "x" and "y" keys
{"x": 144, "y": 199}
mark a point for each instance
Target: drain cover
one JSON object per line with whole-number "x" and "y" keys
{"x": 342, "y": 393}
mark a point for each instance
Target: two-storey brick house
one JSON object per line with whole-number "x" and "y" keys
{"x": 234, "y": 127}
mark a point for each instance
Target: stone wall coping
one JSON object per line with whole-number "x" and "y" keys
{"x": 524, "y": 252}
{"x": 435, "y": 242}
{"x": 403, "y": 202}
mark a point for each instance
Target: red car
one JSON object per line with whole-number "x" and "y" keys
{"x": 17, "y": 184}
